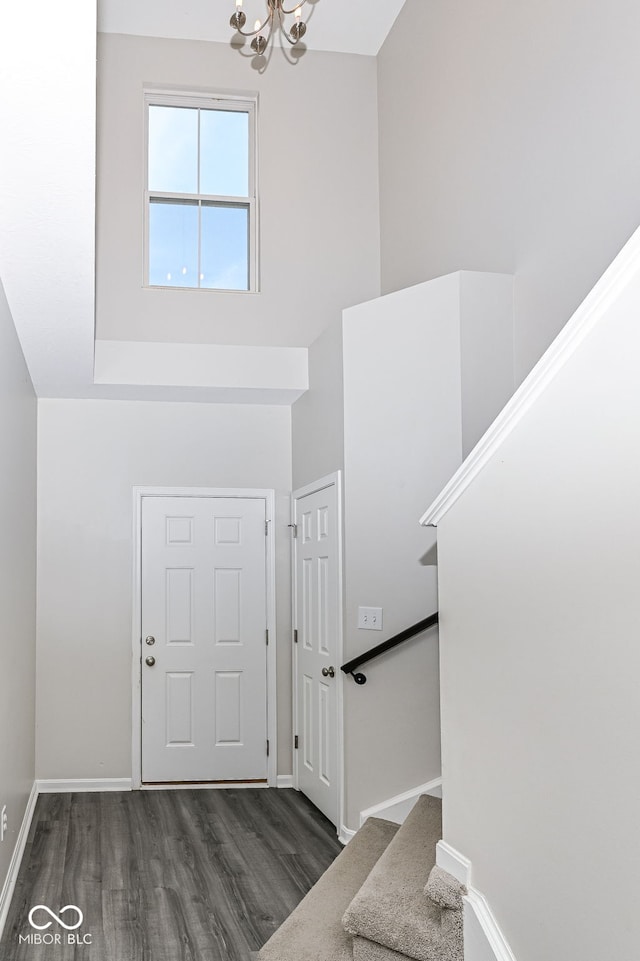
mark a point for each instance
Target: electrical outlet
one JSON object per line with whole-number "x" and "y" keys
{"x": 370, "y": 618}
{"x": 3, "y": 822}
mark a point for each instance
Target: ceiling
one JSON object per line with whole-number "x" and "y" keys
{"x": 344, "y": 26}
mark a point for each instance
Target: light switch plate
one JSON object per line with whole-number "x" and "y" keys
{"x": 370, "y": 618}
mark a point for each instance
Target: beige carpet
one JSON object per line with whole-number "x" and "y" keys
{"x": 364, "y": 950}
{"x": 392, "y": 909}
{"x": 314, "y": 931}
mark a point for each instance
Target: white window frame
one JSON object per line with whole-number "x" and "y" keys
{"x": 207, "y": 101}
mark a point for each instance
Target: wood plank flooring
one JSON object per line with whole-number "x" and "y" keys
{"x": 190, "y": 875}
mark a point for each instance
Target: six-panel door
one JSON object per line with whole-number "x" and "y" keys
{"x": 317, "y": 612}
{"x": 204, "y": 618}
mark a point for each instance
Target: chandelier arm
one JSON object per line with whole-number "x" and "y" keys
{"x": 253, "y": 33}
{"x": 281, "y": 14}
{"x": 269, "y": 21}
{"x": 283, "y": 29}
{"x": 290, "y": 39}
{"x": 298, "y": 6}
{"x": 273, "y": 7}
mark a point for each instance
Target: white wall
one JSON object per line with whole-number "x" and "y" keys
{"x": 47, "y": 188}
{"x": 90, "y": 456}
{"x": 506, "y": 145}
{"x": 486, "y": 351}
{"x": 317, "y": 418}
{"x": 399, "y": 391}
{"x": 402, "y": 437}
{"x": 539, "y": 567}
{"x": 318, "y": 182}
{"x": 17, "y": 582}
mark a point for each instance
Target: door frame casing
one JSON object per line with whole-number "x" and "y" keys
{"x": 268, "y": 495}
{"x": 329, "y": 480}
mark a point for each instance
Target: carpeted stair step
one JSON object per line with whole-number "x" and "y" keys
{"x": 365, "y": 950}
{"x": 391, "y": 915}
{"x": 314, "y": 932}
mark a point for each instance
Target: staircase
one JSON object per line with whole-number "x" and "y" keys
{"x": 382, "y": 899}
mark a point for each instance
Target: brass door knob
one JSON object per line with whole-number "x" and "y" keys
{"x": 150, "y": 661}
{"x": 328, "y": 672}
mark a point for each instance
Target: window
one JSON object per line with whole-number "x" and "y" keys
{"x": 201, "y": 193}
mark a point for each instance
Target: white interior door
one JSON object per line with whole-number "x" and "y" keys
{"x": 204, "y": 643}
{"x": 318, "y": 622}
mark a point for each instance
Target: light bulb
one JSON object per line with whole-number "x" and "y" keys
{"x": 298, "y": 13}
{"x": 238, "y": 4}
{"x": 257, "y": 25}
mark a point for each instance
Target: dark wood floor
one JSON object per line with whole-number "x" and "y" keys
{"x": 166, "y": 875}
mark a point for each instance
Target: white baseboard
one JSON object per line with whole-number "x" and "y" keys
{"x": 345, "y": 834}
{"x": 67, "y": 786}
{"x": 285, "y": 780}
{"x": 16, "y": 860}
{"x": 483, "y": 939}
{"x": 205, "y": 786}
{"x": 397, "y": 808}
{"x": 453, "y": 862}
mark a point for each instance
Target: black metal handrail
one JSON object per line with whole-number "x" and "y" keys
{"x": 350, "y": 666}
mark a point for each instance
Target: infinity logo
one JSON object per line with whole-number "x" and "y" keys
{"x": 67, "y": 927}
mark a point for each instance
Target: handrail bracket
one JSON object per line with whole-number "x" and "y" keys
{"x": 350, "y": 666}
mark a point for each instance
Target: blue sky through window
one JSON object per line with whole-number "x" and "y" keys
{"x": 173, "y": 244}
{"x": 224, "y": 153}
{"x": 194, "y": 243}
{"x": 224, "y": 247}
{"x": 173, "y": 149}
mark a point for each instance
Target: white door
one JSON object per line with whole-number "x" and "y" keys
{"x": 318, "y": 625}
{"x": 204, "y": 642}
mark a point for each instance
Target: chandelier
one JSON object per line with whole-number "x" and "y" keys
{"x": 275, "y": 18}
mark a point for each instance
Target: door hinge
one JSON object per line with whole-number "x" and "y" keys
{"x": 295, "y": 742}
{"x": 294, "y": 528}
{"x": 266, "y": 528}
{"x": 267, "y": 749}
{"x": 266, "y": 634}
{"x": 295, "y": 635}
